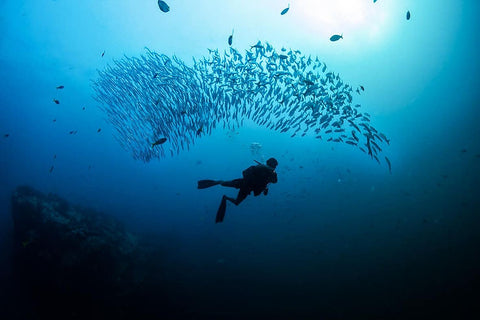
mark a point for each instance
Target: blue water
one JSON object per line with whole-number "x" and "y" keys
{"x": 338, "y": 236}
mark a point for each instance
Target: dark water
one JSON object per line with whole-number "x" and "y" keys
{"x": 337, "y": 237}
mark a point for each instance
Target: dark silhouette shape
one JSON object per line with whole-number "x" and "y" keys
{"x": 255, "y": 178}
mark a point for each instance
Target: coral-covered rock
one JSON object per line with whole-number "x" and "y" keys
{"x": 67, "y": 255}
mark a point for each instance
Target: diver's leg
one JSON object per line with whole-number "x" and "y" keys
{"x": 237, "y": 183}
{"x": 242, "y": 194}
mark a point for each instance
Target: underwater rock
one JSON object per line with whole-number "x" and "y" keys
{"x": 65, "y": 255}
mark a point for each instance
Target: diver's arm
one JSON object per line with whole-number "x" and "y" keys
{"x": 274, "y": 178}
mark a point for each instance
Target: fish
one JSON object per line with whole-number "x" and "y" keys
{"x": 408, "y": 15}
{"x": 336, "y": 37}
{"x": 103, "y": 53}
{"x": 99, "y": 129}
{"x": 258, "y": 45}
{"x": 285, "y": 10}
{"x": 361, "y": 87}
{"x": 51, "y": 169}
{"x": 281, "y": 90}
{"x": 374, "y": 1}
{"x": 60, "y": 87}
{"x": 56, "y": 101}
{"x": 389, "y": 165}
{"x": 230, "y": 39}
{"x": 54, "y": 120}
{"x": 83, "y": 108}
{"x": 159, "y": 141}
{"x": 163, "y": 6}
{"x": 6, "y": 135}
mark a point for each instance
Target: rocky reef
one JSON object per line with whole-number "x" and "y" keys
{"x": 71, "y": 262}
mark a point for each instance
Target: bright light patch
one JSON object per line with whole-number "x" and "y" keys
{"x": 348, "y": 17}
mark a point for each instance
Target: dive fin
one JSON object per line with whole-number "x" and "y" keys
{"x": 221, "y": 210}
{"x": 203, "y": 184}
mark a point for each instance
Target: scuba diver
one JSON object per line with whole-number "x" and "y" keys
{"x": 255, "y": 178}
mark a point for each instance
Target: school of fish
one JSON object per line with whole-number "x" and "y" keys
{"x": 157, "y": 98}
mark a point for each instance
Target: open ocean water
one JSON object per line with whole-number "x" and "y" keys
{"x": 340, "y": 236}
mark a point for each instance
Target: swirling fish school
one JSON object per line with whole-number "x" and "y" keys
{"x": 157, "y": 96}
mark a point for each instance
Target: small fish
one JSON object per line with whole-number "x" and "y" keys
{"x": 408, "y": 15}
{"x": 389, "y": 165}
{"x": 83, "y": 108}
{"x": 54, "y": 120}
{"x": 374, "y": 1}
{"x": 285, "y": 10}
{"x": 361, "y": 87}
{"x": 56, "y": 101}
{"x": 60, "y": 87}
{"x": 160, "y": 141}
{"x": 163, "y": 6}
{"x": 200, "y": 130}
{"x": 6, "y": 135}
{"x": 51, "y": 169}
{"x": 103, "y": 53}
{"x": 99, "y": 129}
{"x": 336, "y": 37}
{"x": 73, "y": 132}
{"x": 230, "y": 39}
{"x": 155, "y": 75}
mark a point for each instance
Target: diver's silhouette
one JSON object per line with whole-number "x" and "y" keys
{"x": 255, "y": 178}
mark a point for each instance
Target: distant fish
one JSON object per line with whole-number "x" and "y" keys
{"x": 60, "y": 87}
{"x": 163, "y": 6}
{"x": 258, "y": 45}
{"x": 73, "y": 132}
{"x": 160, "y": 141}
{"x": 51, "y": 169}
{"x": 361, "y": 87}
{"x": 374, "y": 1}
{"x": 408, "y": 15}
{"x": 285, "y": 10}
{"x": 6, "y": 135}
{"x": 230, "y": 39}
{"x": 200, "y": 130}
{"x": 103, "y": 53}
{"x": 56, "y": 101}
{"x": 389, "y": 165}
{"x": 336, "y": 37}
{"x": 54, "y": 120}
{"x": 83, "y": 108}
{"x": 99, "y": 129}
